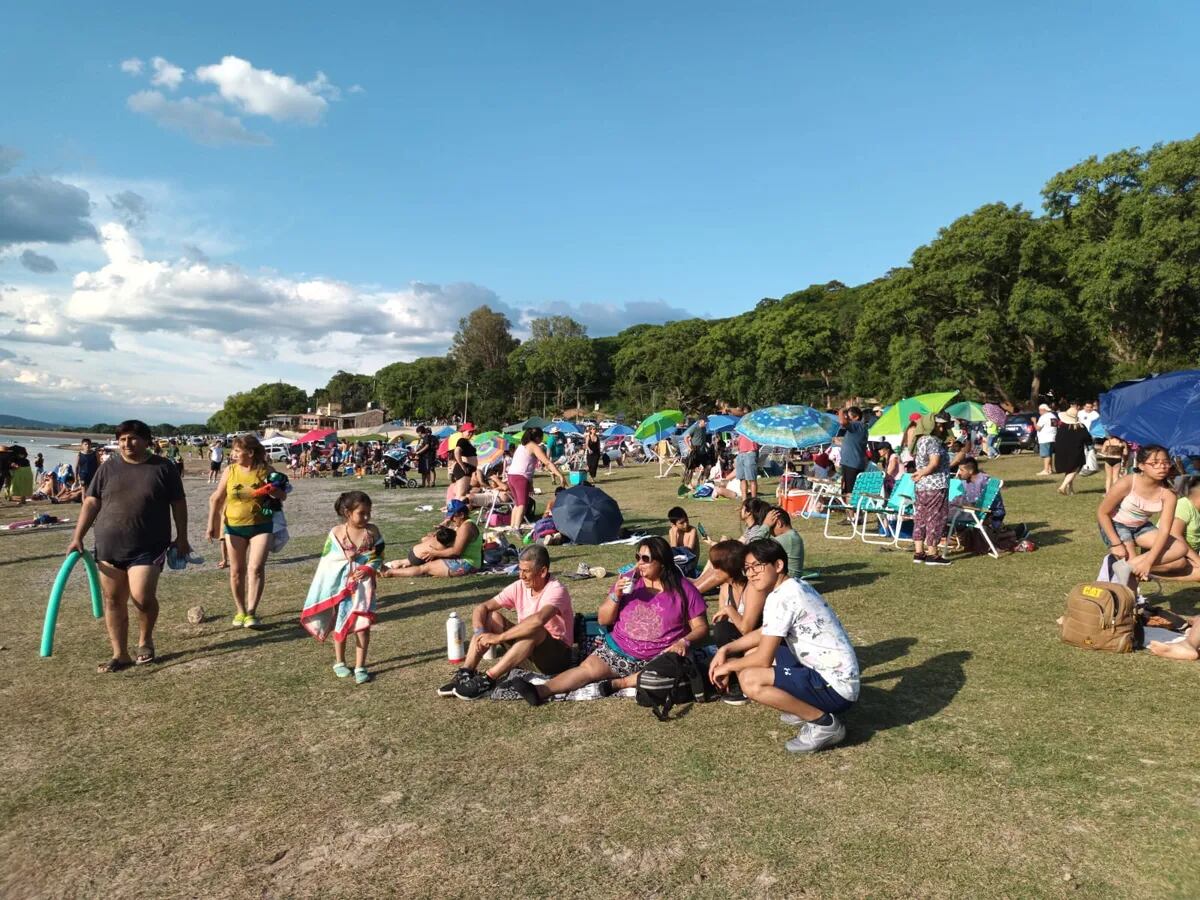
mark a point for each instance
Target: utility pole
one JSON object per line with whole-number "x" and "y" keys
{"x": 466, "y": 396}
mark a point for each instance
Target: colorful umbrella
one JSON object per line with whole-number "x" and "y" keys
{"x": 657, "y": 425}
{"x": 996, "y": 413}
{"x": 491, "y": 450}
{"x": 788, "y": 426}
{"x": 897, "y": 416}
{"x": 969, "y": 410}
{"x": 444, "y": 432}
{"x": 478, "y": 439}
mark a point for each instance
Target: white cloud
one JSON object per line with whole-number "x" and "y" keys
{"x": 30, "y": 378}
{"x": 198, "y": 120}
{"x": 262, "y": 92}
{"x": 131, "y": 66}
{"x": 165, "y": 74}
{"x": 37, "y": 317}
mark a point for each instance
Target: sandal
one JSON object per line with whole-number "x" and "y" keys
{"x": 361, "y": 675}
{"x": 341, "y": 670}
{"x": 113, "y": 665}
{"x": 145, "y": 655}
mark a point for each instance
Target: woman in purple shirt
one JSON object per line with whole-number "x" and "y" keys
{"x": 650, "y": 610}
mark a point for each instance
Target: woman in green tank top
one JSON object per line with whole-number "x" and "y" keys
{"x": 463, "y": 557}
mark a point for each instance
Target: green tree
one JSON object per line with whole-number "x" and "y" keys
{"x": 557, "y": 359}
{"x": 421, "y": 389}
{"x": 353, "y": 392}
{"x": 480, "y": 352}
{"x": 244, "y": 411}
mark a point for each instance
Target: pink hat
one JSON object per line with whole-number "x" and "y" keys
{"x": 466, "y": 428}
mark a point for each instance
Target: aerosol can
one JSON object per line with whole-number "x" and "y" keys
{"x": 456, "y": 639}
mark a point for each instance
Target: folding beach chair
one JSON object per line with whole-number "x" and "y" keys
{"x": 973, "y": 517}
{"x": 865, "y": 498}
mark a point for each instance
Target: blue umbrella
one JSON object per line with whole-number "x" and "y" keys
{"x": 788, "y": 426}
{"x": 587, "y": 515}
{"x": 722, "y": 422}
{"x": 563, "y": 428}
{"x": 444, "y": 432}
{"x": 617, "y": 431}
{"x": 1097, "y": 429}
{"x": 1160, "y": 409}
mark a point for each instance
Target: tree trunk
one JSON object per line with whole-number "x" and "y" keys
{"x": 1035, "y": 388}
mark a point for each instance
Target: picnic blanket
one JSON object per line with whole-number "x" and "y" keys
{"x": 587, "y": 692}
{"x": 341, "y": 599}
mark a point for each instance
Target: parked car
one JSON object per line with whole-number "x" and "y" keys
{"x": 1018, "y": 433}
{"x": 277, "y": 453}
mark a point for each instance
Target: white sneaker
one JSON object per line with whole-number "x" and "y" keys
{"x": 812, "y": 737}
{"x": 792, "y": 719}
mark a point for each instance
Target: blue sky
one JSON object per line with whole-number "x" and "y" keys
{"x": 174, "y": 230}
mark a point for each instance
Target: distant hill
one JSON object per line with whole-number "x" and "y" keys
{"x": 7, "y": 421}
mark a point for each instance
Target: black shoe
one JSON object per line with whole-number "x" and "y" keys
{"x": 447, "y": 689}
{"x": 936, "y": 561}
{"x": 474, "y": 687}
{"x": 735, "y": 698}
{"x": 1021, "y": 532}
{"x": 919, "y": 558}
{"x": 527, "y": 690}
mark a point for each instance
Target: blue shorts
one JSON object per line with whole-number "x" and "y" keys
{"x": 456, "y": 566}
{"x": 795, "y": 678}
{"x": 1045, "y": 451}
{"x": 1126, "y": 532}
{"x": 745, "y": 466}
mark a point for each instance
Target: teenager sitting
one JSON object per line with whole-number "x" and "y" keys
{"x": 740, "y": 611}
{"x": 648, "y": 611}
{"x": 797, "y": 625}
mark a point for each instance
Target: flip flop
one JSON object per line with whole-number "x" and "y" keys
{"x": 145, "y": 655}
{"x": 113, "y": 665}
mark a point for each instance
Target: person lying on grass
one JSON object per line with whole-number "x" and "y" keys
{"x": 431, "y": 557}
{"x": 1125, "y": 512}
{"x": 1188, "y": 649}
{"x": 797, "y": 624}
{"x": 542, "y": 636}
{"x": 649, "y": 610}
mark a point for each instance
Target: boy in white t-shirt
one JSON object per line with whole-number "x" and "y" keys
{"x": 1047, "y": 431}
{"x": 800, "y": 661}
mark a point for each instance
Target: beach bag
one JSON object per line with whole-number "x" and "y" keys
{"x": 669, "y": 679}
{"x": 1100, "y": 615}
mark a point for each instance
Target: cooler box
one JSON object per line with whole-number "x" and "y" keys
{"x": 796, "y": 502}
{"x": 574, "y": 478}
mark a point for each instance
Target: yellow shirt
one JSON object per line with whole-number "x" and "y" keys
{"x": 241, "y": 506}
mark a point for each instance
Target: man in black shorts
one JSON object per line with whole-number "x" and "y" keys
{"x": 132, "y": 499}
{"x": 544, "y": 633}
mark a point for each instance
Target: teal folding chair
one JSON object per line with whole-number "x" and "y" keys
{"x": 973, "y": 517}
{"x": 865, "y": 498}
{"x": 892, "y": 514}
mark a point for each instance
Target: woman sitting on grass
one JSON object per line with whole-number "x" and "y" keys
{"x": 431, "y": 557}
{"x": 1185, "y": 527}
{"x": 741, "y": 607}
{"x": 649, "y": 610}
{"x": 1125, "y": 512}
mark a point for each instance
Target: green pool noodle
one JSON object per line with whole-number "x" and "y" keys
{"x": 56, "y": 595}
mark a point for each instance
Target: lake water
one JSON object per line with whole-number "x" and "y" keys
{"x": 47, "y": 446}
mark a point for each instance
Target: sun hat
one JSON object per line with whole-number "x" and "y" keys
{"x": 1068, "y": 418}
{"x": 1042, "y": 407}
{"x": 454, "y": 507}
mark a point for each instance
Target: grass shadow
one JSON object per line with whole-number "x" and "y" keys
{"x": 263, "y": 636}
{"x": 24, "y": 559}
{"x": 828, "y": 583}
{"x": 404, "y": 661}
{"x": 883, "y": 651}
{"x": 923, "y": 691}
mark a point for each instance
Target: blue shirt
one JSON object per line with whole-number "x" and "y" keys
{"x": 854, "y": 445}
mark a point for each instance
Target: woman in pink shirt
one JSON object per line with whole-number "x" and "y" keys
{"x": 520, "y": 472}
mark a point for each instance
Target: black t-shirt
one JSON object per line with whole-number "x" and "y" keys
{"x": 86, "y": 465}
{"x": 469, "y": 452}
{"x": 135, "y": 506}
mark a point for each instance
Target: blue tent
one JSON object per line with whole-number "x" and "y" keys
{"x": 617, "y": 431}
{"x": 1160, "y": 409}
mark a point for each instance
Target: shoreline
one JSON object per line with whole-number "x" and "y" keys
{"x": 74, "y": 436}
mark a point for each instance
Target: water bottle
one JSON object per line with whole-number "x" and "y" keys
{"x": 456, "y": 637}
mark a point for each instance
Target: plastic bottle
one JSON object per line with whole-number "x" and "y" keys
{"x": 456, "y": 635}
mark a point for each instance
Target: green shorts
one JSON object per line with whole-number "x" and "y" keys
{"x": 249, "y": 531}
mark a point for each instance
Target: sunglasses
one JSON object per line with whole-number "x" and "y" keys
{"x": 643, "y": 558}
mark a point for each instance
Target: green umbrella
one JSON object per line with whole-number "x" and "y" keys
{"x": 896, "y": 417}
{"x": 486, "y": 436}
{"x": 660, "y": 423}
{"x": 969, "y": 410}
{"x": 531, "y": 422}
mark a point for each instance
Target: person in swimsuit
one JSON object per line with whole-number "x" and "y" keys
{"x": 1125, "y": 512}
{"x": 462, "y": 557}
{"x": 132, "y": 500}
{"x": 247, "y": 524}
{"x": 466, "y": 461}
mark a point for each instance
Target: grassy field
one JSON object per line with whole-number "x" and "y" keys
{"x": 985, "y": 758}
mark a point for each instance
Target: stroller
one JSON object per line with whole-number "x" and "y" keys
{"x": 396, "y": 466}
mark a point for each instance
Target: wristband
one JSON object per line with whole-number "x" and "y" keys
{"x": 478, "y": 631}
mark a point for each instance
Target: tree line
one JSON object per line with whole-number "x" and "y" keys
{"x": 1002, "y": 304}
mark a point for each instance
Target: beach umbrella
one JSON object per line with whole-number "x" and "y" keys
{"x": 531, "y": 422}
{"x": 491, "y": 450}
{"x": 995, "y": 413}
{"x": 658, "y": 425}
{"x": 721, "y": 422}
{"x": 788, "y": 426}
{"x": 444, "y": 432}
{"x": 1160, "y": 409}
{"x": 969, "y": 410}
{"x": 563, "y": 428}
{"x": 897, "y": 416}
{"x": 616, "y": 431}
{"x": 1097, "y": 429}
{"x": 478, "y": 439}
{"x": 587, "y": 515}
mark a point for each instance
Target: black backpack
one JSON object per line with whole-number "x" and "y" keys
{"x": 669, "y": 679}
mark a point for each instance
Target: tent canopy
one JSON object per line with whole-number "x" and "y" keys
{"x": 317, "y": 435}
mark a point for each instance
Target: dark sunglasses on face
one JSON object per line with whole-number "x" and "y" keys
{"x": 643, "y": 557}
